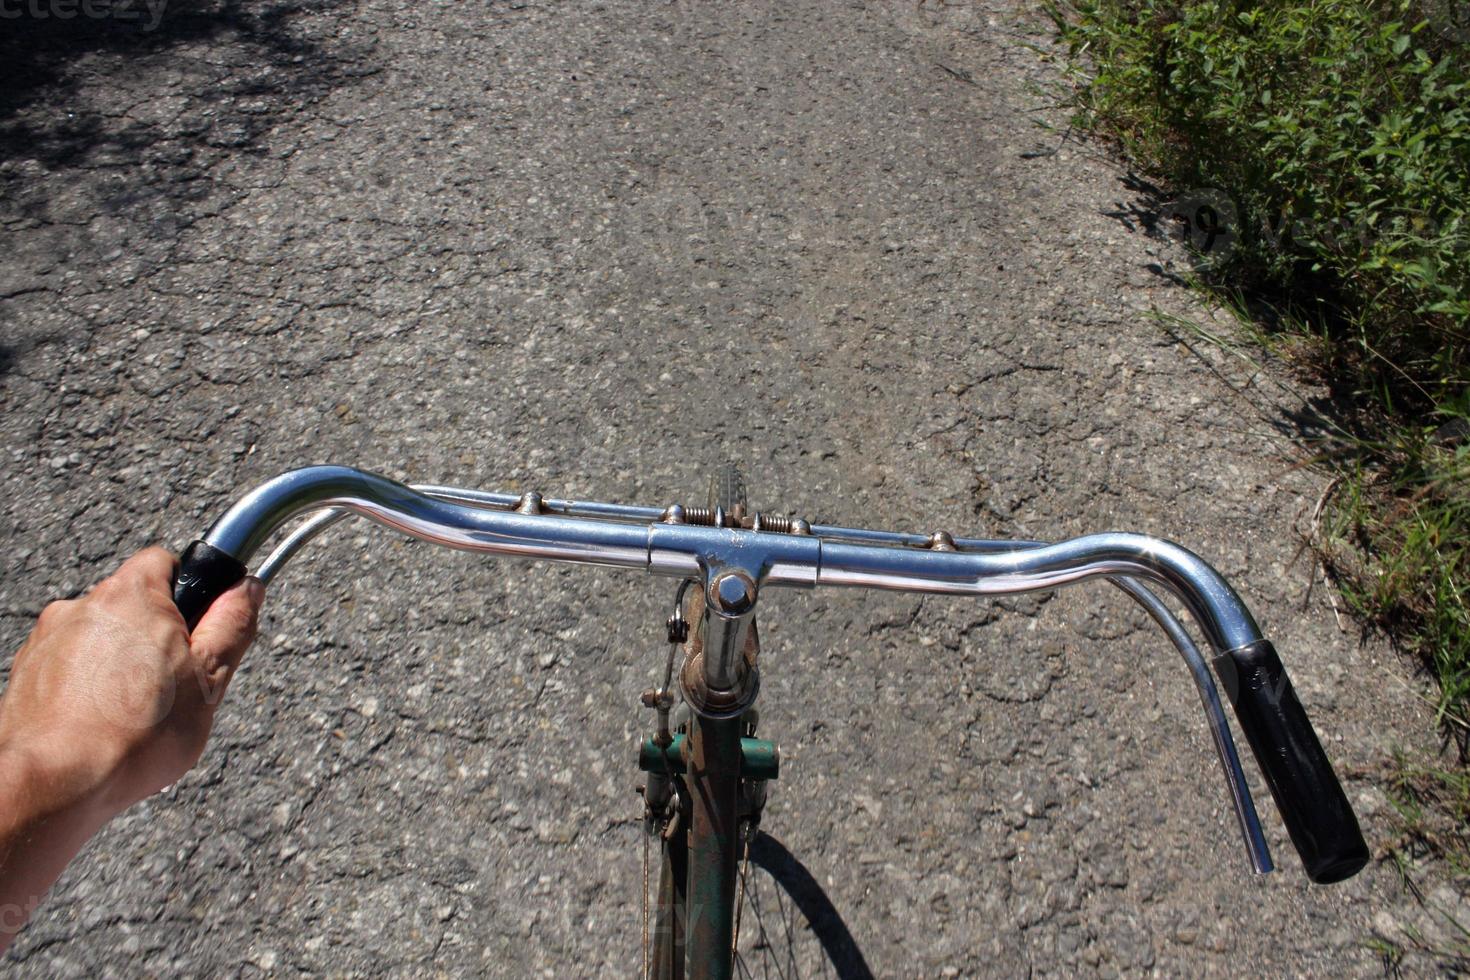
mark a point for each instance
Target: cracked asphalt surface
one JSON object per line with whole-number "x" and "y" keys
{"x": 590, "y": 250}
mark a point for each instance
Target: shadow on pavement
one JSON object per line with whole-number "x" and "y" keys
{"x": 122, "y": 122}
{"x": 836, "y": 939}
{"x": 1207, "y": 223}
{"x": 138, "y": 72}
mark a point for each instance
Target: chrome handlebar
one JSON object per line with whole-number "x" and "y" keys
{"x": 668, "y": 541}
{"x": 654, "y": 540}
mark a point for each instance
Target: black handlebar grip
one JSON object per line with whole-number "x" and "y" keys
{"x": 1313, "y": 806}
{"x": 205, "y": 574}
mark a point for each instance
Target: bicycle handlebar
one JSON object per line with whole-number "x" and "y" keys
{"x": 687, "y": 544}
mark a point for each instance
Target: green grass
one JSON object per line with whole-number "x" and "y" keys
{"x": 1320, "y": 152}
{"x": 1339, "y": 130}
{"x": 1433, "y": 806}
{"x": 1396, "y": 542}
{"x": 1433, "y": 809}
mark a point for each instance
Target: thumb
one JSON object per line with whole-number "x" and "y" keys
{"x": 225, "y": 631}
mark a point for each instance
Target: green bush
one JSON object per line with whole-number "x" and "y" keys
{"x": 1339, "y": 129}
{"x": 1331, "y": 141}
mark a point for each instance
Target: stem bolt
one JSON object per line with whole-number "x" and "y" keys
{"x": 732, "y": 593}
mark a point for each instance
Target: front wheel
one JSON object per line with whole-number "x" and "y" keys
{"x": 788, "y": 925}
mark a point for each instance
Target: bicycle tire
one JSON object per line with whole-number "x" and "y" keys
{"x": 667, "y": 959}
{"x": 727, "y": 489}
{"x": 791, "y": 928}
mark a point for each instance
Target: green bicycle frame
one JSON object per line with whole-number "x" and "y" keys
{"x": 714, "y": 797}
{"x": 720, "y": 680}
{"x": 695, "y": 919}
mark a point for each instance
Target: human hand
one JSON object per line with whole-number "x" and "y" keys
{"x": 111, "y": 697}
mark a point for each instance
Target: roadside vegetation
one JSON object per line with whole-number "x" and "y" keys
{"x": 1318, "y": 154}
{"x": 1321, "y": 155}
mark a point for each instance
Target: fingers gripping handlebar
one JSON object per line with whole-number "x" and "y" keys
{"x": 205, "y": 573}
{"x": 1317, "y": 815}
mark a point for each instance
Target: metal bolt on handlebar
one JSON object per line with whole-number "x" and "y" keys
{"x": 942, "y": 541}
{"x": 733, "y": 593}
{"x": 777, "y": 524}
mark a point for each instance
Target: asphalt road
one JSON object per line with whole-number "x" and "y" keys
{"x": 591, "y": 249}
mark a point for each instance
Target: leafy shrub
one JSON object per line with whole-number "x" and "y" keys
{"x": 1340, "y": 130}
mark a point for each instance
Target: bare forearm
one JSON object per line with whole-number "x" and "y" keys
{"x": 46, "y": 818}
